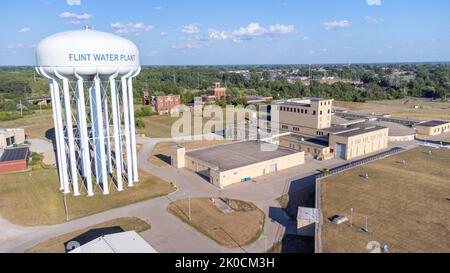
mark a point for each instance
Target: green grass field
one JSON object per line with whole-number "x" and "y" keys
{"x": 33, "y": 198}
{"x": 402, "y": 108}
{"x": 239, "y": 228}
{"x": 408, "y": 206}
{"x": 36, "y": 125}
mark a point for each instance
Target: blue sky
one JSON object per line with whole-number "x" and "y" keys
{"x": 200, "y": 32}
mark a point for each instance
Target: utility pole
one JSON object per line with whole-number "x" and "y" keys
{"x": 190, "y": 219}
{"x": 351, "y": 217}
{"x": 198, "y": 80}
{"x": 21, "y": 108}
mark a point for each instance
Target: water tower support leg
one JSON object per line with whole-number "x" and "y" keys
{"x": 58, "y": 145}
{"x": 132, "y": 130}
{"x": 92, "y": 105}
{"x": 127, "y": 131}
{"x": 116, "y": 126}
{"x": 107, "y": 131}
{"x": 86, "y": 156}
{"x": 60, "y": 135}
{"x": 70, "y": 137}
{"x": 100, "y": 143}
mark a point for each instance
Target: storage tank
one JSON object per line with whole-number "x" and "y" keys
{"x": 91, "y": 75}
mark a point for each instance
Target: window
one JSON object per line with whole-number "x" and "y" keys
{"x": 314, "y": 112}
{"x": 303, "y": 111}
{"x": 306, "y": 111}
{"x": 329, "y": 111}
{"x": 320, "y": 112}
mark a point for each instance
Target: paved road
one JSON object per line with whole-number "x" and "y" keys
{"x": 45, "y": 148}
{"x": 168, "y": 234}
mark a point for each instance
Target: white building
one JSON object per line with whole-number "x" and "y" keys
{"x": 123, "y": 242}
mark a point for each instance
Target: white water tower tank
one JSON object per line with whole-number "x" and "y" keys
{"x": 91, "y": 83}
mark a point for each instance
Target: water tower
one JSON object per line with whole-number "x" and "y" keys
{"x": 91, "y": 84}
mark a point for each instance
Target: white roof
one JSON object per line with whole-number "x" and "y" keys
{"x": 310, "y": 214}
{"x": 124, "y": 242}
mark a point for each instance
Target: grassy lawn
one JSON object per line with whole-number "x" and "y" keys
{"x": 407, "y": 205}
{"x": 160, "y": 126}
{"x": 161, "y": 154}
{"x": 239, "y": 228}
{"x": 33, "y": 198}
{"x": 397, "y": 108}
{"x": 35, "y": 125}
{"x": 56, "y": 245}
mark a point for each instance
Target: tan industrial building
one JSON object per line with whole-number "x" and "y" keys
{"x": 237, "y": 162}
{"x": 9, "y": 137}
{"x": 310, "y": 122}
{"x": 433, "y": 127}
{"x": 358, "y": 141}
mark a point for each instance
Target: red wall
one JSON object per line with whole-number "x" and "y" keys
{"x": 13, "y": 166}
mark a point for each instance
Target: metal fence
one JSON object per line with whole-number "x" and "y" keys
{"x": 351, "y": 165}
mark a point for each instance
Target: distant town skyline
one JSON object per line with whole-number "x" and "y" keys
{"x": 177, "y": 32}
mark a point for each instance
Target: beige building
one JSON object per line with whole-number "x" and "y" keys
{"x": 237, "y": 162}
{"x": 433, "y": 128}
{"x": 304, "y": 116}
{"x": 316, "y": 147}
{"x": 310, "y": 122}
{"x": 9, "y": 137}
{"x": 358, "y": 141}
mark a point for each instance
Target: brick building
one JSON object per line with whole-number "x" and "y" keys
{"x": 216, "y": 92}
{"x": 165, "y": 104}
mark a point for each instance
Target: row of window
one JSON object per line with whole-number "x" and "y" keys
{"x": 308, "y": 149}
{"x": 322, "y": 103}
{"x": 300, "y": 111}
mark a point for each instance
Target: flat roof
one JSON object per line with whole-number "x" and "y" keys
{"x": 14, "y": 154}
{"x": 124, "y": 242}
{"x": 433, "y": 123}
{"x": 235, "y": 155}
{"x": 310, "y": 214}
{"x": 354, "y": 131}
{"x": 312, "y": 141}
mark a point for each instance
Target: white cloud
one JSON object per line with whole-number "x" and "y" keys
{"x": 281, "y": 29}
{"x": 15, "y": 46}
{"x": 374, "y": 2}
{"x": 306, "y": 38}
{"x": 157, "y": 8}
{"x": 73, "y": 2}
{"x": 189, "y": 45}
{"x": 76, "y": 16}
{"x": 24, "y": 29}
{"x": 331, "y": 25}
{"x": 130, "y": 28}
{"x": 253, "y": 29}
{"x": 373, "y": 20}
{"x": 217, "y": 35}
{"x": 163, "y": 34}
{"x": 190, "y": 29}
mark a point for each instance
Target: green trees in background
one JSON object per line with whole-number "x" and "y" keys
{"x": 391, "y": 81}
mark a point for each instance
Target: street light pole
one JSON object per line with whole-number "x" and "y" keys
{"x": 190, "y": 219}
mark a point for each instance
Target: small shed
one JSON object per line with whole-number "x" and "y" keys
{"x": 14, "y": 160}
{"x": 307, "y": 218}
